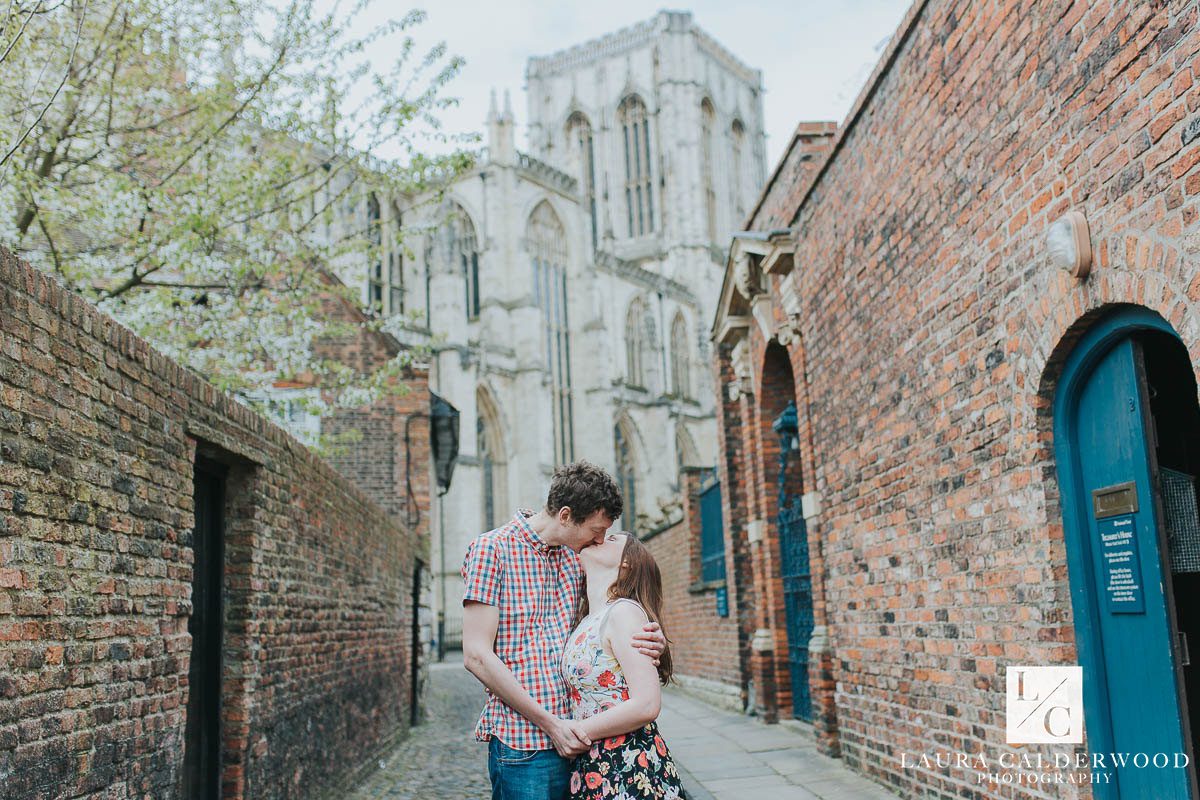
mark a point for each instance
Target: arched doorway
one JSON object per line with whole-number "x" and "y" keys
{"x": 1127, "y": 446}
{"x": 784, "y": 479}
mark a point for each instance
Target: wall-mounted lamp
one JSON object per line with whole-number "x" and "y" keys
{"x": 786, "y": 425}
{"x": 1070, "y": 244}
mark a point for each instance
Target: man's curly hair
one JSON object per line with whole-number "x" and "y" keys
{"x": 585, "y": 489}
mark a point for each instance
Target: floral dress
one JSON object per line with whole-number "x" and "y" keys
{"x": 632, "y": 766}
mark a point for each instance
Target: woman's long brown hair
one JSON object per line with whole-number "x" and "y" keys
{"x": 638, "y": 579}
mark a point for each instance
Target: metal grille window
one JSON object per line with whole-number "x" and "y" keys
{"x": 681, "y": 377}
{"x": 580, "y": 134}
{"x": 546, "y": 242}
{"x": 639, "y": 203}
{"x": 707, "y": 115}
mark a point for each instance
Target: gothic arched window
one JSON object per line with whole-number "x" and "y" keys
{"x": 639, "y": 203}
{"x": 492, "y": 461}
{"x": 579, "y": 136}
{"x": 626, "y": 474}
{"x": 681, "y": 376}
{"x": 375, "y": 276}
{"x": 464, "y": 250}
{"x": 395, "y": 283}
{"x": 642, "y": 351}
{"x": 636, "y": 346}
{"x": 707, "y": 118}
{"x": 738, "y": 132}
{"x": 546, "y": 244}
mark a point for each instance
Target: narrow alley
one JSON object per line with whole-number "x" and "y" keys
{"x": 721, "y": 755}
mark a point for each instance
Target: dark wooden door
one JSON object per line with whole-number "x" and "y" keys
{"x": 202, "y": 747}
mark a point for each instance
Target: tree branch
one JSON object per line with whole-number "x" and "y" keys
{"x": 20, "y": 32}
{"x": 53, "y": 97}
{"x": 237, "y": 113}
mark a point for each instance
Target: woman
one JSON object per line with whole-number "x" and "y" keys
{"x": 615, "y": 690}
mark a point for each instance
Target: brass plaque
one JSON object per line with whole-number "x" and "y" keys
{"x": 1120, "y": 498}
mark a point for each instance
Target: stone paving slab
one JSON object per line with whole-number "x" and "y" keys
{"x": 727, "y": 756}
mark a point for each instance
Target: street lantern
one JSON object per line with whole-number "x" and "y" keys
{"x": 787, "y": 427}
{"x": 443, "y": 422}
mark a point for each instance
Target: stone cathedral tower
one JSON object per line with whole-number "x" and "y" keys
{"x": 567, "y": 290}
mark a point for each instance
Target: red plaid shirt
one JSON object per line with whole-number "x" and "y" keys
{"x": 535, "y": 586}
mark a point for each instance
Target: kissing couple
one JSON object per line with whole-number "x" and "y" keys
{"x": 561, "y": 624}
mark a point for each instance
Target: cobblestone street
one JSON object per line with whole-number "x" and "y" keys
{"x": 721, "y": 755}
{"x": 440, "y": 758}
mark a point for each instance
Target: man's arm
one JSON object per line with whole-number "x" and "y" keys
{"x": 480, "y": 623}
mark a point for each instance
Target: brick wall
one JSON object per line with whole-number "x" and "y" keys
{"x": 704, "y": 645}
{"x": 98, "y": 437}
{"x": 931, "y": 327}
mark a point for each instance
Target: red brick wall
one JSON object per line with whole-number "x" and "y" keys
{"x": 932, "y": 323}
{"x": 703, "y": 644}
{"x": 810, "y": 143}
{"x": 98, "y": 435}
{"x": 390, "y": 433}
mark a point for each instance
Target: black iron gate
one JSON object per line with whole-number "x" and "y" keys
{"x": 794, "y": 569}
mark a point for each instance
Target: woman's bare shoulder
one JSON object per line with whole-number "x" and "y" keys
{"x": 627, "y": 613}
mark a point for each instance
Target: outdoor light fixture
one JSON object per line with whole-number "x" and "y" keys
{"x": 1070, "y": 244}
{"x": 444, "y": 434}
{"x": 787, "y": 428}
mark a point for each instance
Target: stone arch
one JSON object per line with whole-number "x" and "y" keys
{"x": 785, "y": 677}
{"x": 687, "y": 454}
{"x": 545, "y": 234}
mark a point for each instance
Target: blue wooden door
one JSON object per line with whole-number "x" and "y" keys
{"x": 1132, "y": 700}
{"x": 794, "y": 567}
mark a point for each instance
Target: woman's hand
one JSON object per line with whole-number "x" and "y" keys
{"x": 569, "y": 737}
{"x": 650, "y": 642}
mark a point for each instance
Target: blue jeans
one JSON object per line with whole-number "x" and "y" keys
{"x": 527, "y": 774}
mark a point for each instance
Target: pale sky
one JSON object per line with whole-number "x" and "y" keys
{"x": 815, "y": 55}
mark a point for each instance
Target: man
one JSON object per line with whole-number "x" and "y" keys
{"x": 523, "y": 582}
